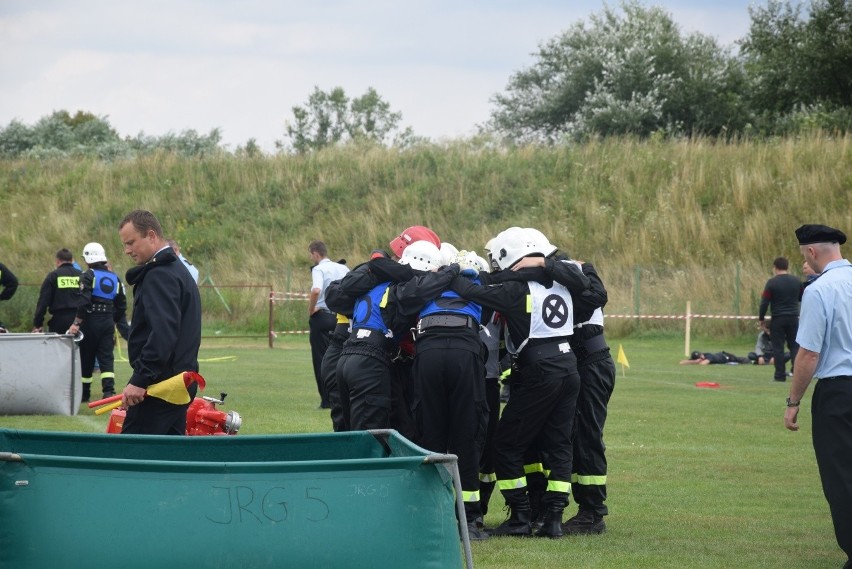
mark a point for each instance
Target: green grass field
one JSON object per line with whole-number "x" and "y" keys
{"x": 698, "y": 478}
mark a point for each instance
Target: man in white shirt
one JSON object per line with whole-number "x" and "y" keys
{"x": 321, "y": 320}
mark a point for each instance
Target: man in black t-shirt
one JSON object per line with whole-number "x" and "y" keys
{"x": 781, "y": 296}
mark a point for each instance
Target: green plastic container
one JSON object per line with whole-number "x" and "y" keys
{"x": 360, "y": 499}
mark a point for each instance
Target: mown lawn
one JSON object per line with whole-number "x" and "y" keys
{"x": 699, "y": 478}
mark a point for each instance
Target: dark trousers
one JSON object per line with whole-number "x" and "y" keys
{"x": 98, "y": 336}
{"x": 450, "y": 408}
{"x": 61, "y": 320}
{"x": 321, "y": 325}
{"x": 154, "y": 416}
{"x": 588, "y": 482}
{"x": 486, "y": 459}
{"x": 364, "y": 383}
{"x": 98, "y": 342}
{"x": 539, "y": 412}
{"x": 402, "y": 397}
{"x": 831, "y": 410}
{"x": 329, "y": 374}
{"x": 783, "y": 329}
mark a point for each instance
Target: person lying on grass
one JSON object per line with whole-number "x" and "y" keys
{"x": 707, "y": 358}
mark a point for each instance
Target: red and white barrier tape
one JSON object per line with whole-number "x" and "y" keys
{"x": 638, "y": 316}
{"x": 280, "y": 296}
{"x": 679, "y": 316}
{"x": 276, "y": 334}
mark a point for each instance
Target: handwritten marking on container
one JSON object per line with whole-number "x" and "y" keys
{"x": 368, "y": 490}
{"x": 244, "y": 504}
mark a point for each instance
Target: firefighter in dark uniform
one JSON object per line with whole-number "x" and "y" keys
{"x": 449, "y": 370}
{"x": 491, "y": 336}
{"x": 367, "y": 381}
{"x": 545, "y": 383}
{"x": 597, "y": 381}
{"x": 328, "y": 369}
{"x": 341, "y": 300}
{"x": 59, "y": 294}
{"x": 102, "y": 306}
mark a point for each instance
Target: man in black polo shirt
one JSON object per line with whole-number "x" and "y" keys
{"x": 781, "y": 296}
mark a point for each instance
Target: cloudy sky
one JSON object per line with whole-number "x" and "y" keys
{"x": 159, "y": 66}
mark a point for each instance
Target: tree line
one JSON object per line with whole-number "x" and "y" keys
{"x": 627, "y": 71}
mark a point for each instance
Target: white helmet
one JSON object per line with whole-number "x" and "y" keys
{"x": 483, "y": 265}
{"x": 448, "y": 251}
{"x": 469, "y": 260}
{"x": 542, "y": 242}
{"x": 94, "y": 253}
{"x": 511, "y": 245}
{"x": 422, "y": 256}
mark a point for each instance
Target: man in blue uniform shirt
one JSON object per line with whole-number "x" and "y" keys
{"x": 825, "y": 352}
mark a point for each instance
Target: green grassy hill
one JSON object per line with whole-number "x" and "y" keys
{"x": 664, "y": 221}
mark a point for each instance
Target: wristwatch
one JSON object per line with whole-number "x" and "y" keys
{"x": 791, "y": 403}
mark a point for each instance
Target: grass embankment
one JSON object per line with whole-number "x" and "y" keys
{"x": 698, "y": 478}
{"x": 664, "y": 221}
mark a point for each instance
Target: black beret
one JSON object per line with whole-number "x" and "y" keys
{"x": 808, "y": 234}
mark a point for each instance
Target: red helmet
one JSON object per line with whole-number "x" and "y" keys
{"x": 412, "y": 234}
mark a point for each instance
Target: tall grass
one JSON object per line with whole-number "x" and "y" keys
{"x": 685, "y": 213}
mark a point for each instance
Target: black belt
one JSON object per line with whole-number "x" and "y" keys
{"x": 374, "y": 337}
{"x": 326, "y": 310}
{"x": 544, "y": 351}
{"x": 590, "y": 346}
{"x": 446, "y": 321}
{"x": 375, "y": 344}
{"x": 841, "y": 377}
{"x": 101, "y": 307}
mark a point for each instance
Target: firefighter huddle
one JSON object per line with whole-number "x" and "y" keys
{"x": 426, "y": 332}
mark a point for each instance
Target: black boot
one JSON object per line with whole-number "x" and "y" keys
{"x": 476, "y": 530}
{"x": 584, "y": 523}
{"x": 108, "y": 386}
{"x": 552, "y": 523}
{"x": 87, "y": 392}
{"x": 536, "y": 487}
{"x": 518, "y": 523}
{"x": 475, "y": 526}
